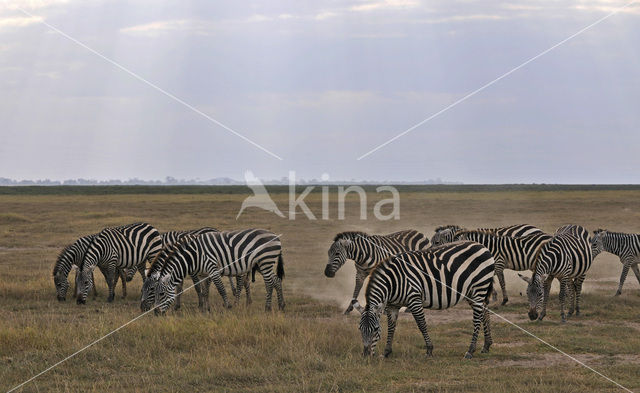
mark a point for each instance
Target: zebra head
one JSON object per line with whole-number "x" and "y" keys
{"x": 62, "y": 285}
{"x": 338, "y": 255}
{"x": 148, "y": 297}
{"x": 597, "y": 245}
{"x": 165, "y": 293}
{"x": 535, "y": 293}
{"x": 444, "y": 235}
{"x": 370, "y": 327}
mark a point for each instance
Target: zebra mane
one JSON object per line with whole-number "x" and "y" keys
{"x": 170, "y": 250}
{"x": 349, "y": 235}
{"x": 66, "y": 249}
{"x": 445, "y": 227}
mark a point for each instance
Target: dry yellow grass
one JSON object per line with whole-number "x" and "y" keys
{"x": 311, "y": 347}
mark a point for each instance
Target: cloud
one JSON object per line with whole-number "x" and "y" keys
{"x": 29, "y": 4}
{"x": 385, "y": 5}
{"x": 158, "y": 28}
{"x": 18, "y": 21}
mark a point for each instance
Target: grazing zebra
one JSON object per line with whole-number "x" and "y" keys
{"x": 119, "y": 247}
{"x": 515, "y": 253}
{"x": 438, "y": 277}
{"x": 71, "y": 256}
{"x": 171, "y": 241}
{"x": 567, "y": 256}
{"x": 233, "y": 253}
{"x": 445, "y": 234}
{"x": 367, "y": 251}
{"x": 625, "y": 245}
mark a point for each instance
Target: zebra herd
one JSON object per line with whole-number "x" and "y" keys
{"x": 204, "y": 254}
{"x": 406, "y": 269}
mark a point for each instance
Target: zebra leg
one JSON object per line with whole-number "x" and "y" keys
{"x": 578, "y": 288}
{"x": 418, "y": 315}
{"x": 392, "y": 318}
{"x": 503, "y": 286}
{"x": 486, "y": 323}
{"x": 198, "y": 288}
{"x": 247, "y": 285}
{"x": 178, "y": 296}
{"x": 122, "y": 274}
{"x": 233, "y": 287}
{"x": 240, "y": 284}
{"x": 360, "y": 276}
{"x": 111, "y": 282}
{"x": 494, "y": 293}
{"x": 564, "y": 283}
{"x": 571, "y": 294}
{"x": 220, "y": 286}
{"x": 278, "y": 286}
{"x": 203, "y": 303}
{"x": 547, "y": 290}
{"x": 623, "y": 276}
{"x": 93, "y": 280}
{"x": 478, "y": 316}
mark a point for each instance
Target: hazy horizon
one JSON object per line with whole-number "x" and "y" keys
{"x": 320, "y": 84}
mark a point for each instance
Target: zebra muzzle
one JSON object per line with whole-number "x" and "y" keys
{"x": 329, "y": 272}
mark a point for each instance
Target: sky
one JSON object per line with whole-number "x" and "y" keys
{"x": 140, "y": 89}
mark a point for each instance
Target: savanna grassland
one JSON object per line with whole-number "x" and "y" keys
{"x": 311, "y": 346}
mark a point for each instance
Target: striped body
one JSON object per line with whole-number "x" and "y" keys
{"x": 369, "y": 250}
{"x": 625, "y": 245}
{"x": 121, "y": 247}
{"x": 212, "y": 255}
{"x": 567, "y": 257}
{"x": 446, "y": 234}
{"x": 71, "y": 256}
{"x": 514, "y": 253}
{"x": 437, "y": 278}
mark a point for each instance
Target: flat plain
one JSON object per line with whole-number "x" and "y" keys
{"x": 310, "y": 347}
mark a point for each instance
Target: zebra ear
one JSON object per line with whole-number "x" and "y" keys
{"x": 155, "y": 276}
{"x": 358, "y": 307}
{"x": 526, "y": 279}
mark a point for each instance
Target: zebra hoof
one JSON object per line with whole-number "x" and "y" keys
{"x": 618, "y": 293}
{"x": 485, "y": 350}
{"x": 504, "y": 301}
{"x": 468, "y": 355}
{"x": 429, "y": 352}
{"x": 110, "y": 299}
{"x": 387, "y": 352}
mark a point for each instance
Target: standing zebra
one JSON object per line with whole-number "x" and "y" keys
{"x": 119, "y": 247}
{"x": 515, "y": 253}
{"x": 625, "y": 245}
{"x": 567, "y": 256}
{"x": 438, "y": 278}
{"x": 233, "y": 253}
{"x": 72, "y": 255}
{"x": 445, "y": 234}
{"x": 369, "y": 250}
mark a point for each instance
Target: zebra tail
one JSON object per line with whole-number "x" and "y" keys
{"x": 280, "y": 268}
{"x": 253, "y": 272}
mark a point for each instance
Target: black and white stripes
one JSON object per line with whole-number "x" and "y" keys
{"x": 232, "y": 253}
{"x": 567, "y": 257}
{"x": 625, "y": 245}
{"x": 121, "y": 247}
{"x": 369, "y": 250}
{"x": 437, "y": 278}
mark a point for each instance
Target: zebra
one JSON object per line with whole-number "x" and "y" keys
{"x": 515, "y": 253}
{"x": 171, "y": 240}
{"x": 567, "y": 257}
{"x": 446, "y": 233}
{"x": 71, "y": 256}
{"x": 625, "y": 245}
{"x": 118, "y": 247}
{"x": 367, "y": 251}
{"x": 232, "y": 253}
{"x": 438, "y": 277}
